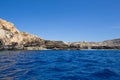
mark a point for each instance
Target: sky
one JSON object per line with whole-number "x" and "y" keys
{"x": 67, "y": 20}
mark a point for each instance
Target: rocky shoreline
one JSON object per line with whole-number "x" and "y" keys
{"x": 13, "y": 39}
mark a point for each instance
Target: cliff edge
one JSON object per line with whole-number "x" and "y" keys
{"x": 12, "y": 38}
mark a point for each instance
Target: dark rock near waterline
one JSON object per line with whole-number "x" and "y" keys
{"x": 56, "y": 45}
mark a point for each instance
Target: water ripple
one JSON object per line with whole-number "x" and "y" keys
{"x": 60, "y": 65}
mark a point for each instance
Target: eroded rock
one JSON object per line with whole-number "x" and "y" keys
{"x": 12, "y": 38}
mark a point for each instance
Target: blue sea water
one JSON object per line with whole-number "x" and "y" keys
{"x": 60, "y": 65}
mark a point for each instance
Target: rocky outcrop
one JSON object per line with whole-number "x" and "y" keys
{"x": 12, "y": 38}
{"x": 83, "y": 45}
{"x": 114, "y": 42}
{"x": 9, "y": 35}
{"x": 109, "y": 44}
{"x": 56, "y": 45}
{"x": 30, "y": 40}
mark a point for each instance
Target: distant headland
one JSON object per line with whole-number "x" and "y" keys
{"x": 13, "y": 39}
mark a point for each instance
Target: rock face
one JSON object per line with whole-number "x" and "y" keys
{"x": 11, "y": 37}
{"x": 83, "y": 45}
{"x": 109, "y": 44}
{"x": 56, "y": 45}
{"x": 30, "y": 40}
{"x": 114, "y": 42}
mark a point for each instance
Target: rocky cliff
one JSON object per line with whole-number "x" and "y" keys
{"x": 9, "y": 35}
{"x": 114, "y": 42}
{"x": 56, "y": 45}
{"x": 12, "y": 38}
{"x": 108, "y": 44}
{"x": 31, "y": 40}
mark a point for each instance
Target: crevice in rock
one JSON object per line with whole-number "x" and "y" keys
{"x": 1, "y": 44}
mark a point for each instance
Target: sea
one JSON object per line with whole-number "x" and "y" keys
{"x": 60, "y": 65}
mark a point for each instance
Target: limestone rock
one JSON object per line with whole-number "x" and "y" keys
{"x": 114, "y": 42}
{"x": 34, "y": 48}
{"x": 9, "y": 34}
{"x": 11, "y": 37}
{"x": 56, "y": 45}
{"x": 31, "y": 40}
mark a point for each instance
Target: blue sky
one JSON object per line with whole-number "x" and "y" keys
{"x": 67, "y": 20}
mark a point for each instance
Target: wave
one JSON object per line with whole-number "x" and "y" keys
{"x": 105, "y": 73}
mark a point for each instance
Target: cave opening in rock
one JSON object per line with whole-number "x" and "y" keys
{"x": 1, "y": 43}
